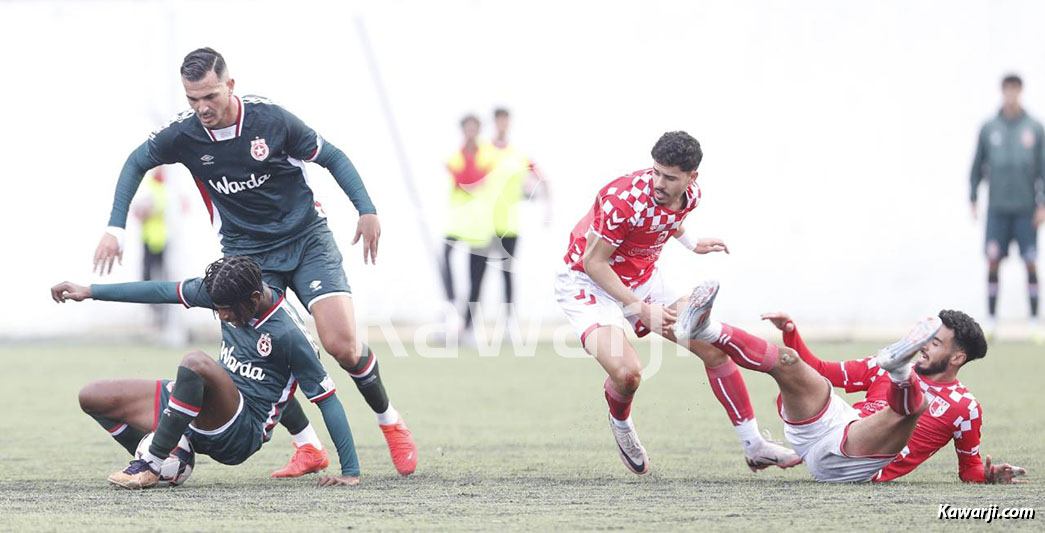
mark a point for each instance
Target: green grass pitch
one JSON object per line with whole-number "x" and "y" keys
{"x": 505, "y": 442}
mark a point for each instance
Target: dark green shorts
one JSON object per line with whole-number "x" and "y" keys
{"x": 310, "y": 266}
{"x": 229, "y": 445}
{"x": 1003, "y": 228}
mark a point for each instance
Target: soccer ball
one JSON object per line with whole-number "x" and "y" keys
{"x": 177, "y": 467}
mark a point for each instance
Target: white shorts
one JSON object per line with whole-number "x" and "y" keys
{"x": 587, "y": 306}
{"x": 820, "y": 439}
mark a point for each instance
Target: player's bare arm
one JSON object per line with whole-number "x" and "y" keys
{"x": 597, "y": 264}
{"x": 1003, "y": 473}
{"x": 704, "y": 245}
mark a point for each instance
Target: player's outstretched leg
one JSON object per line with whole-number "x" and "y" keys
{"x": 887, "y": 432}
{"x": 309, "y": 454}
{"x": 726, "y": 382}
{"x": 335, "y": 323}
{"x": 611, "y": 349}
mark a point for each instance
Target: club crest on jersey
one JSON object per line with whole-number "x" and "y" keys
{"x": 938, "y": 407}
{"x": 265, "y": 345}
{"x": 258, "y": 149}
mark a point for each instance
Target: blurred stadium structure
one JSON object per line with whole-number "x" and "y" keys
{"x": 837, "y": 138}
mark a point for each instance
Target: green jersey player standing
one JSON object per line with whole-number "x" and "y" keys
{"x": 226, "y": 407}
{"x": 247, "y": 156}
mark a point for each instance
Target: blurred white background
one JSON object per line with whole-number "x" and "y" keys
{"x": 838, "y": 138}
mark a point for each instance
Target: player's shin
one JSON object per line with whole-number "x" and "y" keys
{"x": 367, "y": 378}
{"x": 742, "y": 347}
{"x": 125, "y": 435}
{"x": 620, "y": 404}
{"x": 182, "y": 408}
{"x": 905, "y": 396}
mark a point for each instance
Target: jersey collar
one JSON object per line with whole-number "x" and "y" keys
{"x": 228, "y": 132}
{"x": 258, "y": 322}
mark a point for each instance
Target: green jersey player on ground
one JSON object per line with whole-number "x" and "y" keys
{"x": 247, "y": 156}
{"x": 226, "y": 407}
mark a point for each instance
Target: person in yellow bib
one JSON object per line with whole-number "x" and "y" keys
{"x": 515, "y": 179}
{"x": 471, "y": 214}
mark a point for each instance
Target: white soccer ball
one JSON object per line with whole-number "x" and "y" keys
{"x": 177, "y": 467}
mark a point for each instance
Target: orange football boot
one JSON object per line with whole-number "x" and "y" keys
{"x": 401, "y": 446}
{"x": 306, "y": 460}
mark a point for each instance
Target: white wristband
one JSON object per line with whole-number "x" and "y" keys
{"x": 117, "y": 232}
{"x": 689, "y": 243}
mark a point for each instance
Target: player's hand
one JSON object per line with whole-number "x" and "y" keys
{"x": 1003, "y": 473}
{"x": 1039, "y": 215}
{"x": 108, "y": 250}
{"x": 338, "y": 481}
{"x": 782, "y": 321}
{"x": 369, "y": 229}
{"x": 973, "y": 210}
{"x": 657, "y": 318}
{"x": 708, "y": 245}
{"x": 70, "y": 291}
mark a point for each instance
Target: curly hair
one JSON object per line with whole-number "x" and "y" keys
{"x": 232, "y": 280}
{"x": 968, "y": 335}
{"x": 678, "y": 149}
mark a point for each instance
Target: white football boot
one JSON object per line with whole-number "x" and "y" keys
{"x": 896, "y": 356}
{"x": 694, "y": 318}
{"x": 631, "y": 451}
{"x": 768, "y": 453}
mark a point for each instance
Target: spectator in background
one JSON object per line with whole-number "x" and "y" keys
{"x": 471, "y": 216}
{"x": 515, "y": 178}
{"x": 1010, "y": 155}
{"x": 150, "y": 208}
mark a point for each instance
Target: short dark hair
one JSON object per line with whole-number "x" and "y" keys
{"x": 1012, "y": 79}
{"x": 968, "y": 335}
{"x": 501, "y": 112}
{"x": 470, "y": 118}
{"x": 199, "y": 62}
{"x": 678, "y": 149}
{"x": 231, "y": 281}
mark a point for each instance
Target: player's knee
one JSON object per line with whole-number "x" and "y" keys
{"x": 627, "y": 380}
{"x": 197, "y": 361}
{"x": 344, "y": 349}
{"x": 91, "y": 398}
{"x": 788, "y": 357}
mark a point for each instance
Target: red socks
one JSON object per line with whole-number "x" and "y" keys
{"x": 731, "y": 392}
{"x": 905, "y": 398}
{"x": 620, "y": 405}
{"x": 747, "y": 350}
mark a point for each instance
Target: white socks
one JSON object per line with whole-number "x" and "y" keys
{"x": 748, "y": 433}
{"x": 621, "y": 424}
{"x": 390, "y": 416}
{"x": 711, "y": 332}
{"x": 307, "y": 436}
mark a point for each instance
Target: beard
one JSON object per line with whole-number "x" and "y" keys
{"x": 932, "y": 369}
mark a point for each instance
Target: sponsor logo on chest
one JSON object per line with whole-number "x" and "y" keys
{"x": 232, "y": 187}
{"x": 235, "y": 366}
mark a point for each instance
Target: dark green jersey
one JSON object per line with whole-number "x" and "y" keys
{"x": 1010, "y": 155}
{"x": 269, "y": 358}
{"x": 251, "y": 175}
